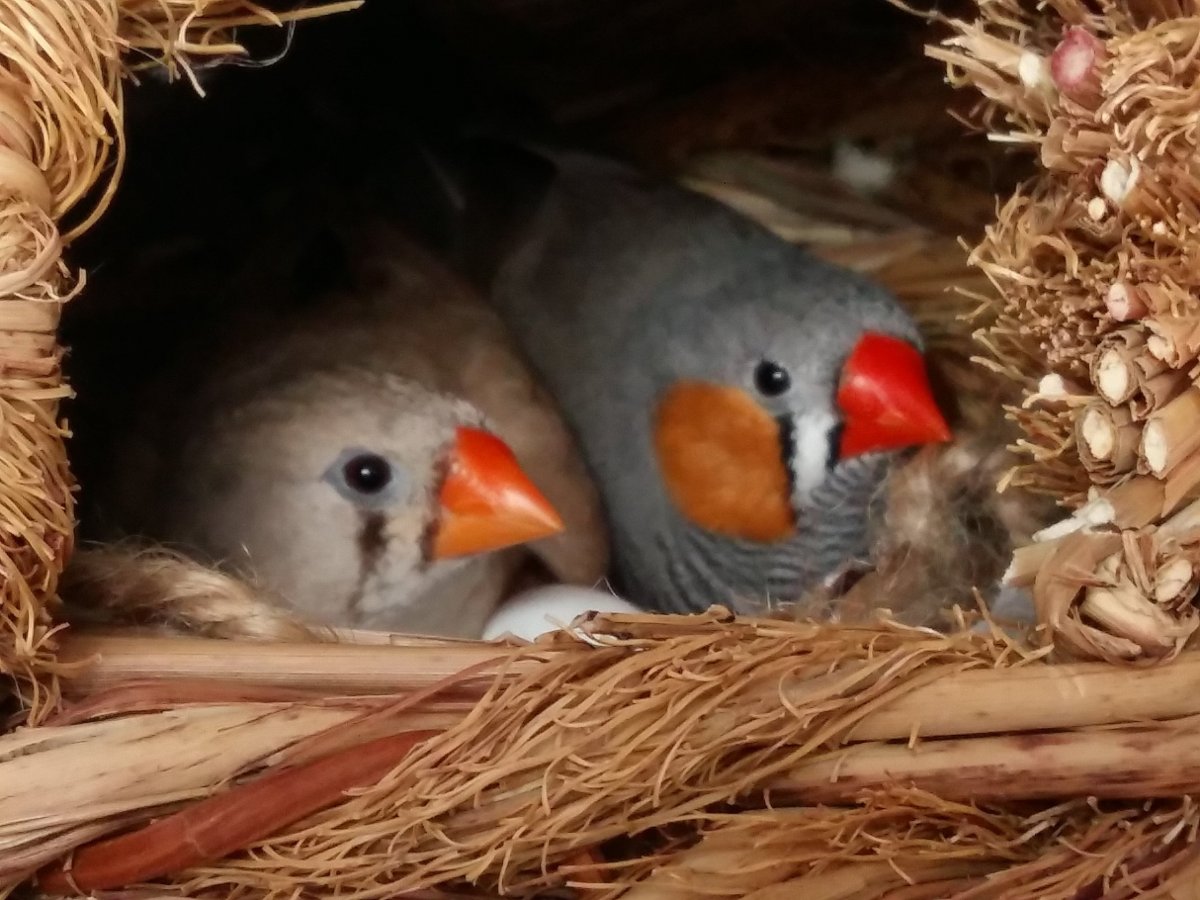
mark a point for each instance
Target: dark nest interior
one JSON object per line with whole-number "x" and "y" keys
{"x": 831, "y": 117}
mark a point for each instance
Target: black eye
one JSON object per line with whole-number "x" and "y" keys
{"x": 771, "y": 379}
{"x": 367, "y": 473}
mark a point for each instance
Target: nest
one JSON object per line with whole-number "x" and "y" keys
{"x": 658, "y": 756}
{"x": 1097, "y": 321}
{"x": 863, "y": 759}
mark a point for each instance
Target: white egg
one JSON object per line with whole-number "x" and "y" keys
{"x": 534, "y": 612}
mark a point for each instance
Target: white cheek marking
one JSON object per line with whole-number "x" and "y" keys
{"x": 404, "y": 586}
{"x": 812, "y": 451}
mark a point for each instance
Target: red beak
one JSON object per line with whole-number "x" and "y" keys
{"x": 487, "y": 500}
{"x": 885, "y": 398}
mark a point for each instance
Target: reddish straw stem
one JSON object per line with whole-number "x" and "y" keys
{"x": 1075, "y": 66}
{"x": 228, "y": 822}
{"x": 154, "y": 696}
{"x": 1125, "y": 302}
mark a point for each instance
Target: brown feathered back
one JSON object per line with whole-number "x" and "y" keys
{"x": 435, "y": 328}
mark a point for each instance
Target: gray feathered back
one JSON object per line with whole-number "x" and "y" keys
{"x": 620, "y": 286}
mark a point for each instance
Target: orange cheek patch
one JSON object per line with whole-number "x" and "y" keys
{"x": 720, "y": 455}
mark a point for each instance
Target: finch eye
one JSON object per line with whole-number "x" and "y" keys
{"x": 771, "y": 379}
{"x": 367, "y": 473}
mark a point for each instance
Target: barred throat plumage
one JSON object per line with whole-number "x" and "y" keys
{"x": 703, "y": 568}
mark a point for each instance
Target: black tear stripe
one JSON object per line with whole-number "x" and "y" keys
{"x": 787, "y": 446}
{"x": 833, "y": 457}
{"x": 372, "y": 543}
{"x": 429, "y": 533}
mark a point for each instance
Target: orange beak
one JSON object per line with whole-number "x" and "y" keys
{"x": 487, "y": 500}
{"x": 885, "y": 398}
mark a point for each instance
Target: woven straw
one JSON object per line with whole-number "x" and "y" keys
{"x": 680, "y": 757}
{"x": 939, "y": 759}
{"x": 1097, "y": 312}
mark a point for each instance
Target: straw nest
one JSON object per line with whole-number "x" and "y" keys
{"x": 1098, "y": 319}
{"x": 678, "y": 756}
{"x": 656, "y": 756}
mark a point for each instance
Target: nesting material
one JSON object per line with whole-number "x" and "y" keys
{"x": 518, "y": 769}
{"x": 100, "y": 797}
{"x": 1115, "y": 594}
{"x": 1171, "y": 436}
{"x": 1125, "y": 371}
{"x": 912, "y": 844}
{"x": 51, "y": 151}
{"x": 944, "y": 537}
{"x": 1092, "y": 262}
{"x": 159, "y": 591}
{"x": 1125, "y": 301}
{"x": 1108, "y": 441}
{"x": 180, "y": 35}
{"x": 657, "y": 727}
